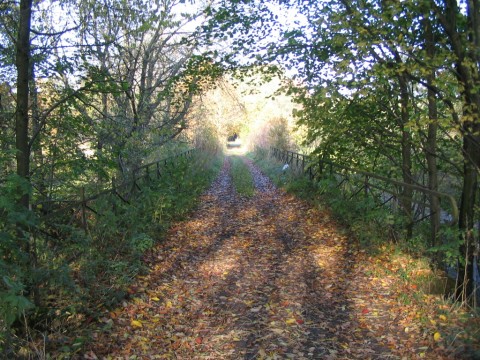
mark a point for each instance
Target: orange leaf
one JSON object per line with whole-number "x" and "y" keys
{"x": 365, "y": 311}
{"x": 199, "y": 340}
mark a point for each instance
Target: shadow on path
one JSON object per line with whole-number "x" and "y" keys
{"x": 257, "y": 278}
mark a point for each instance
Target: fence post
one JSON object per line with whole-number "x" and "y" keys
{"x": 114, "y": 192}
{"x": 366, "y": 186}
{"x": 83, "y": 208}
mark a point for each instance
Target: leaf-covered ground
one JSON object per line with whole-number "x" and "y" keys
{"x": 265, "y": 277}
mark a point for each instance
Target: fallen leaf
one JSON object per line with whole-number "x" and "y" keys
{"x": 136, "y": 323}
{"x": 290, "y": 321}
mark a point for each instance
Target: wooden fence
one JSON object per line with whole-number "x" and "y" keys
{"x": 81, "y": 204}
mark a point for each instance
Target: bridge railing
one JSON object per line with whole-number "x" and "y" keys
{"x": 383, "y": 190}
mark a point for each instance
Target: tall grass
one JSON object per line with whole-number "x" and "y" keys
{"x": 241, "y": 177}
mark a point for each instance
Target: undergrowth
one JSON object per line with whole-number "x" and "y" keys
{"x": 83, "y": 271}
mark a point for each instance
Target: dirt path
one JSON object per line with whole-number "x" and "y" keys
{"x": 261, "y": 278}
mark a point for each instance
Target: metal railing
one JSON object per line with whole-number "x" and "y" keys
{"x": 368, "y": 181}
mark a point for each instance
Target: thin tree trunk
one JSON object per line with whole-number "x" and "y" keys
{"x": 406, "y": 144}
{"x": 431, "y": 145}
{"x": 22, "y": 117}
{"x": 36, "y": 146}
{"x": 27, "y": 242}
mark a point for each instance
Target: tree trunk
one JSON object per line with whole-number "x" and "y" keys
{"x": 431, "y": 143}
{"x": 26, "y": 240}
{"x": 36, "y": 146}
{"x": 406, "y": 143}
{"x": 22, "y": 118}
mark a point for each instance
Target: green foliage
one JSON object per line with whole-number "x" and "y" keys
{"x": 17, "y": 277}
{"x": 13, "y": 304}
{"x": 279, "y": 134}
{"x": 448, "y": 249}
{"x": 241, "y": 177}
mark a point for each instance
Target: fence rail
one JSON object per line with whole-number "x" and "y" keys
{"x": 78, "y": 207}
{"x": 369, "y": 180}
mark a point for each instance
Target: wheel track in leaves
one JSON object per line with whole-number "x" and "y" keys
{"x": 266, "y": 277}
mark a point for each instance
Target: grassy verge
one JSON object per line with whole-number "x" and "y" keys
{"x": 241, "y": 177}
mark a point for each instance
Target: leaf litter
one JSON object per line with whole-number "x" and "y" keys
{"x": 266, "y": 277}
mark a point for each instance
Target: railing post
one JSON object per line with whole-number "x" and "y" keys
{"x": 366, "y": 186}
{"x": 83, "y": 208}
{"x": 114, "y": 192}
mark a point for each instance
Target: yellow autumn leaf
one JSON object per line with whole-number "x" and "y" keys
{"x": 443, "y": 317}
{"x": 437, "y": 336}
{"x": 154, "y": 298}
{"x": 290, "y": 321}
{"x": 168, "y": 304}
{"x": 136, "y": 323}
